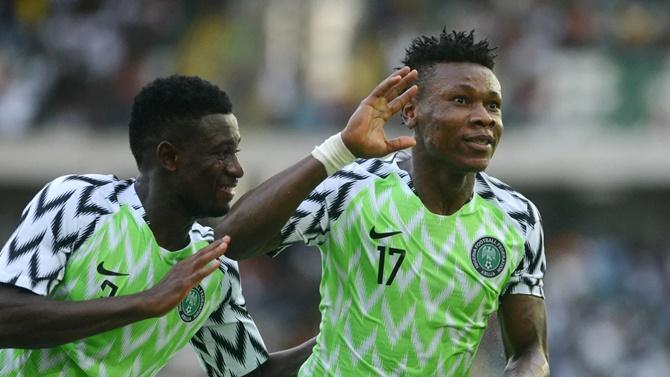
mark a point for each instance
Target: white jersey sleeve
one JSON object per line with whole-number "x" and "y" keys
{"x": 229, "y": 343}
{"x": 528, "y": 277}
{"x": 311, "y": 222}
{"x": 54, "y": 224}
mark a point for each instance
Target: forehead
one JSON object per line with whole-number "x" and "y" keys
{"x": 219, "y": 128}
{"x": 447, "y": 76}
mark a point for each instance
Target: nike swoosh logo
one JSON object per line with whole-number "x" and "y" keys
{"x": 103, "y": 271}
{"x": 375, "y": 236}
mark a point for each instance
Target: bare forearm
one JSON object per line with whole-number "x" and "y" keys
{"x": 255, "y": 222}
{"x": 524, "y": 331}
{"x": 257, "y": 218}
{"x": 285, "y": 363}
{"x": 28, "y": 320}
{"x": 32, "y": 321}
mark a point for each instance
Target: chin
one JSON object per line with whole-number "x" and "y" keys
{"x": 214, "y": 211}
{"x": 477, "y": 166}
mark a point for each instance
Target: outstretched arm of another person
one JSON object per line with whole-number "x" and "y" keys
{"x": 255, "y": 221}
{"x": 524, "y": 330}
{"x": 53, "y": 322}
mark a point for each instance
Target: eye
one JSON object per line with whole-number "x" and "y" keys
{"x": 227, "y": 154}
{"x": 222, "y": 155}
{"x": 460, "y": 100}
{"x": 493, "y": 106}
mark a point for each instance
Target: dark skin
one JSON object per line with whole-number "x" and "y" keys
{"x": 523, "y": 323}
{"x": 364, "y": 136}
{"x": 59, "y": 322}
{"x": 458, "y": 125}
{"x": 189, "y": 176}
{"x": 178, "y": 182}
{"x": 170, "y": 220}
{"x": 206, "y": 170}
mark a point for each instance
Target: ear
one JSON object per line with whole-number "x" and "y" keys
{"x": 408, "y": 114}
{"x": 167, "y": 155}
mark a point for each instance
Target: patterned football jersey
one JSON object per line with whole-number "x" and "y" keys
{"x": 404, "y": 291}
{"x": 85, "y": 237}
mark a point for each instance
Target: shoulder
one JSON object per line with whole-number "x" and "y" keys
{"x": 346, "y": 183}
{"x": 381, "y": 167}
{"x": 59, "y": 219}
{"x": 101, "y": 190}
{"x": 513, "y": 203}
{"x": 75, "y": 196}
{"x": 365, "y": 171}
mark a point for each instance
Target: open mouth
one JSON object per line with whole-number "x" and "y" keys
{"x": 482, "y": 140}
{"x": 230, "y": 190}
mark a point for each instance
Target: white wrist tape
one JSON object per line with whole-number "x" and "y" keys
{"x": 333, "y": 154}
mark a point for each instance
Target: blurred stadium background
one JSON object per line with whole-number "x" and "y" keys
{"x": 587, "y": 115}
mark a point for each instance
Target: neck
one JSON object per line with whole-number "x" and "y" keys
{"x": 440, "y": 189}
{"x": 169, "y": 223}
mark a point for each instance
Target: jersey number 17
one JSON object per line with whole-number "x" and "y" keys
{"x": 398, "y": 261}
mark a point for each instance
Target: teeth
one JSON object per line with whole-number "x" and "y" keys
{"x": 228, "y": 189}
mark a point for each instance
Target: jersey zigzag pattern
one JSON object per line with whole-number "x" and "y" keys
{"x": 62, "y": 216}
{"x": 311, "y": 222}
{"x": 405, "y": 290}
{"x": 79, "y": 224}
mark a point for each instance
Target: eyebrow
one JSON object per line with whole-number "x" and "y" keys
{"x": 471, "y": 88}
{"x": 225, "y": 143}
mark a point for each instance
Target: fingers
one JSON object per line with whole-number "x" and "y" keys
{"x": 399, "y": 102}
{"x": 400, "y": 143}
{"x": 389, "y": 82}
{"x": 207, "y": 262}
{"x": 204, "y": 272}
{"x": 400, "y": 86}
{"x": 212, "y": 251}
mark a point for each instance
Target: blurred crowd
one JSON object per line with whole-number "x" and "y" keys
{"x": 568, "y": 68}
{"x": 569, "y": 65}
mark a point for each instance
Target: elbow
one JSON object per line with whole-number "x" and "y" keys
{"x": 537, "y": 366}
{"x": 547, "y": 371}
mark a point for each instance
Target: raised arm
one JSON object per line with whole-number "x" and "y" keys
{"x": 255, "y": 221}
{"x": 524, "y": 330}
{"x": 53, "y": 322}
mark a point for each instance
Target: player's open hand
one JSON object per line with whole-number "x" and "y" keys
{"x": 185, "y": 275}
{"x": 364, "y": 135}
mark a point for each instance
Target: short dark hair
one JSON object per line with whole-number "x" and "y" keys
{"x": 168, "y": 103}
{"x": 454, "y": 47}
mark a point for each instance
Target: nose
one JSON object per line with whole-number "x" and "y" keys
{"x": 481, "y": 117}
{"x": 234, "y": 168}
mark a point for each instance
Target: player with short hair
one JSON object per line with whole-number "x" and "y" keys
{"x": 111, "y": 277}
{"x": 419, "y": 249}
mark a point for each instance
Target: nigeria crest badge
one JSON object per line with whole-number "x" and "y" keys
{"x": 488, "y": 256}
{"x": 192, "y": 304}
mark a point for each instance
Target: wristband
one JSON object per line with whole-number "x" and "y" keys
{"x": 333, "y": 154}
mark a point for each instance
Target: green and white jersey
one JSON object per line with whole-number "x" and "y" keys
{"x": 85, "y": 237}
{"x": 406, "y": 292}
